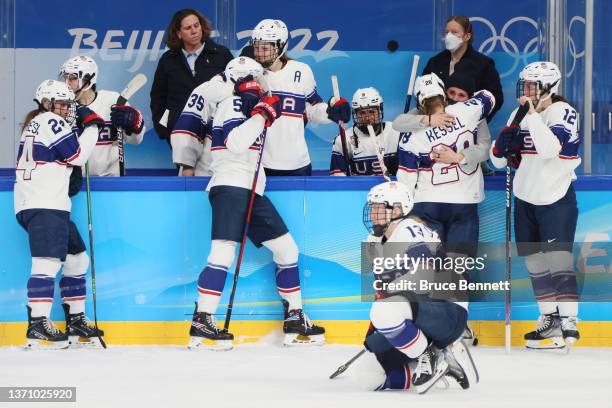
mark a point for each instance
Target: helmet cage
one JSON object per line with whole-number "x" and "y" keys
{"x": 361, "y": 124}
{"x": 378, "y": 229}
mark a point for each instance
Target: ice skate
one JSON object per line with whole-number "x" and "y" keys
{"x": 431, "y": 367}
{"x": 80, "y": 333}
{"x": 300, "y": 331}
{"x": 43, "y": 335}
{"x": 206, "y": 335}
{"x": 461, "y": 366}
{"x": 547, "y": 335}
{"x": 570, "y": 332}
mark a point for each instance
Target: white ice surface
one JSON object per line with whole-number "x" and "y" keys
{"x": 268, "y": 375}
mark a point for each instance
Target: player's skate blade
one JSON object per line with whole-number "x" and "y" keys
{"x": 461, "y": 364}
{"x": 37, "y": 344}
{"x": 300, "y": 331}
{"x": 77, "y": 342}
{"x": 202, "y": 343}
{"x": 297, "y": 340}
{"x": 552, "y": 343}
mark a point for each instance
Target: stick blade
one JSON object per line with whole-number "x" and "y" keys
{"x": 134, "y": 86}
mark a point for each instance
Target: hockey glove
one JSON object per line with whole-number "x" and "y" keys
{"x": 507, "y": 142}
{"x": 338, "y": 110}
{"x": 76, "y": 180}
{"x": 249, "y": 92}
{"x": 269, "y": 108}
{"x": 128, "y": 118}
{"x": 86, "y": 117}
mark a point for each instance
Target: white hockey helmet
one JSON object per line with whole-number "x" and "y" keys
{"x": 427, "y": 86}
{"x": 545, "y": 74}
{"x": 271, "y": 31}
{"x": 394, "y": 196}
{"x": 366, "y": 98}
{"x": 52, "y": 91}
{"x": 241, "y": 67}
{"x": 85, "y": 69}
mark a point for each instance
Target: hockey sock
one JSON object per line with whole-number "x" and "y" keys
{"x": 393, "y": 319}
{"x": 41, "y": 285}
{"x": 542, "y": 282}
{"x": 395, "y": 364}
{"x": 212, "y": 279}
{"x": 288, "y": 283}
{"x": 72, "y": 285}
{"x": 564, "y": 281}
{"x": 285, "y": 255}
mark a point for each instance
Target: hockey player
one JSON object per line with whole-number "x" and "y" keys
{"x": 367, "y": 107}
{"x": 81, "y": 74}
{"x": 286, "y": 152}
{"x": 191, "y": 137}
{"x": 545, "y": 209}
{"x": 446, "y": 195}
{"x": 48, "y": 150}
{"x": 408, "y": 325}
{"x": 238, "y": 128}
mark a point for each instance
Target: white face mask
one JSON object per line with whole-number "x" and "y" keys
{"x": 452, "y": 42}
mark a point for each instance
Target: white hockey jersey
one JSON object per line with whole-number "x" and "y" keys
{"x": 295, "y": 85}
{"x": 549, "y": 154}
{"x": 191, "y": 137}
{"x": 48, "y": 149}
{"x": 236, "y": 143}
{"x": 362, "y": 151}
{"x": 105, "y": 159}
{"x": 439, "y": 182}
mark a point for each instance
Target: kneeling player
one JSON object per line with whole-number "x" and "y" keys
{"x": 407, "y": 325}
{"x": 49, "y": 149}
{"x": 238, "y": 131}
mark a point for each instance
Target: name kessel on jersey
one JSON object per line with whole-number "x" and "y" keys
{"x": 438, "y": 133}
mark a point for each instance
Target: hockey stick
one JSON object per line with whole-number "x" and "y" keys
{"x": 518, "y": 117}
{"x": 134, "y": 86}
{"x": 346, "y": 365}
{"x": 245, "y": 229}
{"x": 415, "y": 65}
{"x": 91, "y": 255}
{"x": 341, "y": 129}
{"x": 379, "y": 153}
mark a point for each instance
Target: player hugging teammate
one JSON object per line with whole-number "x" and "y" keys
{"x": 239, "y": 128}
{"x": 544, "y": 148}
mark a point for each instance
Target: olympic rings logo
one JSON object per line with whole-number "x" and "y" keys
{"x": 531, "y": 48}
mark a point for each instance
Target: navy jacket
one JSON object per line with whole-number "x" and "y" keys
{"x": 473, "y": 64}
{"x": 174, "y": 81}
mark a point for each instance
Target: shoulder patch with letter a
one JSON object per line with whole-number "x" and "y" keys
{"x": 297, "y": 76}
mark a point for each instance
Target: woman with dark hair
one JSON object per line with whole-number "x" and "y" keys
{"x": 193, "y": 58}
{"x": 460, "y": 56}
